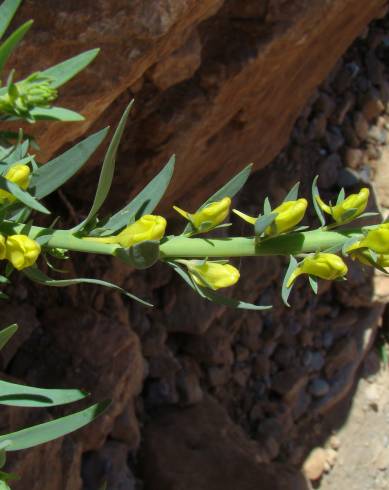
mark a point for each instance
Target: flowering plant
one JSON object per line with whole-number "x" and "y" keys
{"x": 136, "y": 236}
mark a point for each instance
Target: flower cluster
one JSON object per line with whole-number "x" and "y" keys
{"x": 35, "y": 91}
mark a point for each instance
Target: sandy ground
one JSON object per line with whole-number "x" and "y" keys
{"x": 362, "y": 458}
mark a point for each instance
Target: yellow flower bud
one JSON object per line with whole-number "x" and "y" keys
{"x": 208, "y": 217}
{"x": 18, "y": 174}
{"x": 212, "y": 274}
{"x": 2, "y": 247}
{"x": 363, "y": 256}
{"x": 22, "y": 251}
{"x": 148, "y": 227}
{"x": 323, "y": 265}
{"x": 289, "y": 214}
{"x": 354, "y": 201}
{"x": 376, "y": 239}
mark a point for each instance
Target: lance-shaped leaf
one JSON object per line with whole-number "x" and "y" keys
{"x": 341, "y": 196}
{"x": 285, "y": 292}
{"x": 315, "y": 194}
{"x": 17, "y": 395}
{"x": 66, "y": 70}
{"x": 41, "y": 433}
{"x": 313, "y": 283}
{"x": 107, "y": 170}
{"x": 230, "y": 189}
{"x": 55, "y": 114}
{"x": 215, "y": 297}
{"x": 293, "y": 193}
{"x": 56, "y": 172}
{"x": 22, "y": 196}
{"x": 38, "y": 276}
{"x": 144, "y": 203}
{"x": 263, "y": 222}
{"x": 7, "y": 11}
{"x": 7, "y": 333}
{"x": 11, "y": 42}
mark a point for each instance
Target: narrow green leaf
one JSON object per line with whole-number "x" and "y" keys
{"x": 41, "y": 433}
{"x": 22, "y": 195}
{"x": 215, "y": 297}
{"x": 107, "y": 170}
{"x": 293, "y": 193}
{"x": 285, "y": 292}
{"x": 313, "y": 283}
{"x": 34, "y": 274}
{"x": 263, "y": 222}
{"x": 341, "y": 196}
{"x": 230, "y": 189}
{"x": 55, "y": 114}
{"x": 144, "y": 203}
{"x": 11, "y": 42}
{"x": 315, "y": 194}
{"x": 7, "y": 11}
{"x": 7, "y": 333}
{"x": 56, "y": 172}
{"x": 17, "y": 395}
{"x": 66, "y": 70}
{"x": 266, "y": 206}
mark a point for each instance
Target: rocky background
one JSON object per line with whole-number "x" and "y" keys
{"x": 206, "y": 398}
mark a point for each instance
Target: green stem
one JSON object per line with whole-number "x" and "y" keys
{"x": 290, "y": 244}
{"x": 181, "y": 246}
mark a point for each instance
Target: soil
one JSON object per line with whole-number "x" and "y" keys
{"x": 361, "y": 457}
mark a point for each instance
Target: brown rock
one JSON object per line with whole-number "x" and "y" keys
{"x": 199, "y": 448}
{"x": 109, "y": 466}
{"x": 214, "y": 347}
{"x": 179, "y": 66}
{"x": 353, "y": 157}
{"x": 126, "y": 427}
{"x": 202, "y": 122}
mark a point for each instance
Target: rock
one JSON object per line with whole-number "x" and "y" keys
{"x": 250, "y": 333}
{"x": 334, "y": 139}
{"x": 335, "y": 442}
{"x": 126, "y": 427}
{"x": 261, "y": 365}
{"x": 353, "y": 157}
{"x": 289, "y": 383}
{"x": 109, "y": 466}
{"x": 372, "y": 106}
{"x": 233, "y": 61}
{"x": 218, "y": 375}
{"x": 329, "y": 171}
{"x": 180, "y": 65}
{"x": 319, "y": 387}
{"x": 361, "y": 125}
{"x": 188, "y": 383}
{"x": 373, "y": 396}
{"x": 313, "y": 466}
{"x": 332, "y": 456}
{"x": 344, "y": 352}
{"x": 179, "y": 443}
{"x": 114, "y": 370}
{"x": 214, "y": 347}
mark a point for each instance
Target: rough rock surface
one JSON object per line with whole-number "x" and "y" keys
{"x": 215, "y": 83}
{"x": 199, "y": 448}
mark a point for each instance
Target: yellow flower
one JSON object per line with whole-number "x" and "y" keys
{"x": 364, "y": 257}
{"x": 212, "y": 274}
{"x": 22, "y": 251}
{"x": 18, "y": 174}
{"x": 208, "y": 217}
{"x": 2, "y": 247}
{"x": 289, "y": 214}
{"x": 358, "y": 202}
{"x": 376, "y": 239}
{"x": 148, "y": 227}
{"x": 323, "y": 265}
